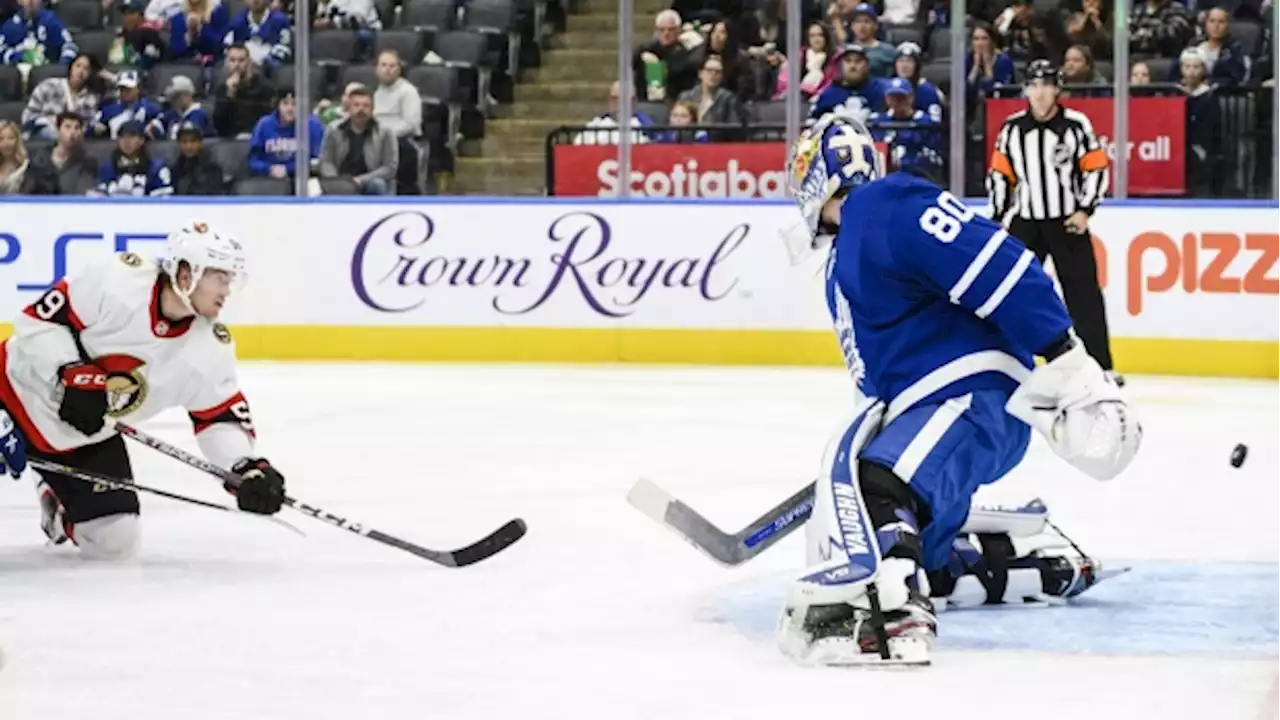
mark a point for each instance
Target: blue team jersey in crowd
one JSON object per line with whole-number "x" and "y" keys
{"x": 269, "y": 42}
{"x": 20, "y": 37}
{"x": 857, "y": 102}
{"x": 932, "y": 301}
{"x": 273, "y": 143}
{"x": 209, "y": 41}
{"x": 117, "y": 113}
{"x": 928, "y": 99}
{"x": 167, "y": 124}
{"x": 918, "y": 149}
{"x": 140, "y": 179}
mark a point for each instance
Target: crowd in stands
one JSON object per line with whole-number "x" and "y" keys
{"x": 149, "y": 97}
{"x": 724, "y": 62}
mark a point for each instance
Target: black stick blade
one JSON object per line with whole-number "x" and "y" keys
{"x": 483, "y": 549}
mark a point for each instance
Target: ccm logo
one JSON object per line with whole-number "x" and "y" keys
{"x": 1203, "y": 262}
{"x": 89, "y": 379}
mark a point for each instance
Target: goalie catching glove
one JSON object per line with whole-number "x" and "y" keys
{"x": 1072, "y": 402}
{"x": 261, "y": 488}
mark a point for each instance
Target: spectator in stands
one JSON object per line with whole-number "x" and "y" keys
{"x": 1078, "y": 67}
{"x": 195, "y": 172}
{"x": 139, "y": 42}
{"x": 818, "y": 71}
{"x": 865, "y": 25}
{"x": 360, "y": 149}
{"x": 722, "y": 41}
{"x": 900, "y": 12}
{"x": 266, "y": 33}
{"x": 716, "y": 106}
{"x": 1014, "y": 27}
{"x": 330, "y": 113}
{"x": 856, "y": 92}
{"x": 916, "y": 149}
{"x": 1089, "y": 24}
{"x": 241, "y": 97}
{"x": 183, "y": 111}
{"x": 13, "y": 158}
{"x": 1228, "y": 63}
{"x": 683, "y": 113}
{"x": 1159, "y": 27}
{"x": 63, "y": 168}
{"x": 34, "y": 35}
{"x": 79, "y": 92}
{"x": 347, "y": 15}
{"x": 273, "y": 149}
{"x": 1048, "y": 40}
{"x": 601, "y": 130}
{"x": 928, "y": 98}
{"x": 764, "y": 33}
{"x": 159, "y": 12}
{"x": 666, "y": 66}
{"x": 985, "y": 67}
{"x": 198, "y": 32}
{"x": 129, "y": 106}
{"x": 130, "y": 171}
{"x": 397, "y": 105}
{"x": 1140, "y": 74}
{"x": 1204, "y": 141}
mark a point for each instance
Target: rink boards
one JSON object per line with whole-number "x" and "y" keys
{"x": 1190, "y": 288}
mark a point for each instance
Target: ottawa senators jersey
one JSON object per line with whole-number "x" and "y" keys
{"x": 111, "y": 314}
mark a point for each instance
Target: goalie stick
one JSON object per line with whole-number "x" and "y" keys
{"x": 123, "y": 484}
{"x": 482, "y": 549}
{"x": 727, "y": 549}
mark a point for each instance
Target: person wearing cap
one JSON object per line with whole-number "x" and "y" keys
{"x": 139, "y": 43}
{"x": 273, "y": 149}
{"x": 862, "y": 30}
{"x": 1204, "y": 124}
{"x": 35, "y": 36}
{"x": 130, "y": 105}
{"x": 855, "y": 92}
{"x": 926, "y": 96}
{"x": 915, "y": 148}
{"x": 1048, "y": 174}
{"x": 183, "y": 110}
{"x": 195, "y": 172}
{"x": 130, "y": 171}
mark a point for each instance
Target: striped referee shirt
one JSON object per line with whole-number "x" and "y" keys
{"x": 1046, "y": 170}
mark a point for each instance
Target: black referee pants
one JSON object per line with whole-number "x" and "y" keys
{"x": 1077, "y": 271}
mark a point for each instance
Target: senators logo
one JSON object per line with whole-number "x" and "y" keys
{"x": 126, "y": 385}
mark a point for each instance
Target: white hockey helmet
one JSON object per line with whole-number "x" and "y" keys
{"x": 201, "y": 247}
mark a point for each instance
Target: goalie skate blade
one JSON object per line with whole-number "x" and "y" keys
{"x": 844, "y": 652}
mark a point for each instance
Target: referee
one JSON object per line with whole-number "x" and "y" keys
{"x": 1048, "y": 174}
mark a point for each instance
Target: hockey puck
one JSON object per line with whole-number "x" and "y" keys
{"x": 1239, "y": 454}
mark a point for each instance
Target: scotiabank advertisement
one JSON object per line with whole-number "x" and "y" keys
{"x": 708, "y": 170}
{"x": 1157, "y": 137}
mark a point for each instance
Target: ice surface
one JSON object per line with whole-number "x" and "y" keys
{"x": 600, "y": 613}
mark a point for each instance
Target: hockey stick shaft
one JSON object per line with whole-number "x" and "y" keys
{"x": 491, "y": 544}
{"x": 125, "y": 484}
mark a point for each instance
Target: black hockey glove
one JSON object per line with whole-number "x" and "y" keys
{"x": 261, "y": 488}
{"x": 84, "y": 396}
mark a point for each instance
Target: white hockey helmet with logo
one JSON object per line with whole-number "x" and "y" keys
{"x": 200, "y": 247}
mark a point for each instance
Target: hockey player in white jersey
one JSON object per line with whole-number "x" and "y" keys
{"x": 940, "y": 315}
{"x": 128, "y": 339}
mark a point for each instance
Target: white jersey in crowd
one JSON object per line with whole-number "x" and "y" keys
{"x": 111, "y": 313}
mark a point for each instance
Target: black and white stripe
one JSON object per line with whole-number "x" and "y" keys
{"x": 1046, "y": 159}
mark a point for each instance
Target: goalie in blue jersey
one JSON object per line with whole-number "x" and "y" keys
{"x": 940, "y": 315}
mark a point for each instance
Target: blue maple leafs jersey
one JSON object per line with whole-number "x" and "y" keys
{"x": 858, "y": 102}
{"x": 116, "y": 113}
{"x": 931, "y": 301}
{"x": 145, "y": 178}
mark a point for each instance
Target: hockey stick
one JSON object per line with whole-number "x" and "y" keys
{"x": 727, "y": 549}
{"x": 124, "y": 484}
{"x": 490, "y": 545}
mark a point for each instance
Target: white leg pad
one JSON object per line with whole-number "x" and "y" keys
{"x": 114, "y": 537}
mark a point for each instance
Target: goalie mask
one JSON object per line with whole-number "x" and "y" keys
{"x": 836, "y": 154}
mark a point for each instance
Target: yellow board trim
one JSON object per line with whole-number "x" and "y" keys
{"x": 1226, "y": 358}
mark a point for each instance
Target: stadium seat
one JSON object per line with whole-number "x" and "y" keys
{"x": 408, "y": 43}
{"x": 466, "y": 51}
{"x": 438, "y": 14}
{"x": 386, "y": 12}
{"x": 96, "y": 43}
{"x": 162, "y": 75}
{"x": 496, "y": 19}
{"x": 1249, "y": 33}
{"x": 263, "y": 187}
{"x": 940, "y": 43}
{"x": 12, "y": 110}
{"x": 233, "y": 157}
{"x": 165, "y": 151}
{"x": 40, "y": 73}
{"x": 336, "y": 45}
{"x": 364, "y": 74}
{"x": 338, "y": 186}
{"x": 10, "y": 83}
{"x": 79, "y": 15}
{"x": 938, "y": 72}
{"x": 319, "y": 79}
{"x": 1163, "y": 70}
{"x": 437, "y": 81}
{"x": 898, "y": 34}
{"x": 1105, "y": 69}
{"x": 99, "y": 150}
